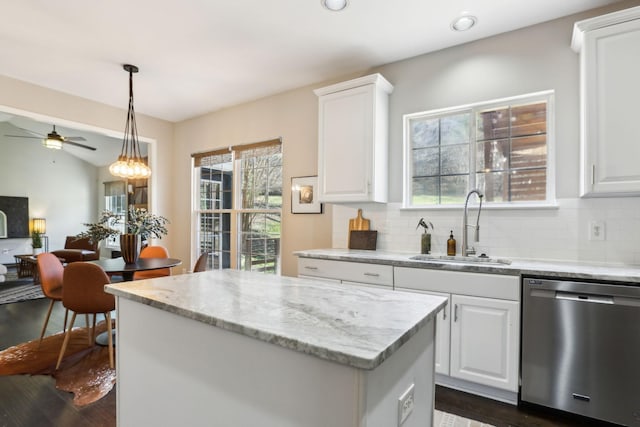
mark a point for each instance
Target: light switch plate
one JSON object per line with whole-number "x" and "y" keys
{"x": 597, "y": 230}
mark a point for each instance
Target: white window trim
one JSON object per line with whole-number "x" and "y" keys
{"x": 550, "y": 202}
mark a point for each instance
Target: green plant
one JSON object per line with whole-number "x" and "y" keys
{"x": 139, "y": 221}
{"x": 425, "y": 224}
{"x": 146, "y": 224}
{"x": 36, "y": 240}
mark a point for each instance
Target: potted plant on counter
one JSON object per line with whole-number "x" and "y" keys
{"x": 425, "y": 240}
{"x": 140, "y": 226}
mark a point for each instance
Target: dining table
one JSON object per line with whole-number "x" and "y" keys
{"x": 117, "y": 266}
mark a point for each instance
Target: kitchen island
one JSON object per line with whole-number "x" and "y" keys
{"x": 232, "y": 348}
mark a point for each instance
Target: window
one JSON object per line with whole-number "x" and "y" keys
{"x": 239, "y": 206}
{"x": 500, "y": 147}
{"x": 115, "y": 200}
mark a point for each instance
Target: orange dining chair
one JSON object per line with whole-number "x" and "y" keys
{"x": 201, "y": 263}
{"x": 50, "y": 270}
{"x": 83, "y": 293}
{"x": 153, "y": 252}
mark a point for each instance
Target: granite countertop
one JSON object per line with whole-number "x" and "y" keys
{"x": 355, "y": 326}
{"x": 566, "y": 270}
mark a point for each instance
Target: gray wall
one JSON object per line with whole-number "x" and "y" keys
{"x": 529, "y": 60}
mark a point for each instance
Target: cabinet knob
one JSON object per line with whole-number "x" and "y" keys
{"x": 372, "y": 274}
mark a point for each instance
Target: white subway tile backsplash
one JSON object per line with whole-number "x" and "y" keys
{"x": 560, "y": 234}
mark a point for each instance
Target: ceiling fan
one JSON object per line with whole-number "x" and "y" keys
{"x": 55, "y": 140}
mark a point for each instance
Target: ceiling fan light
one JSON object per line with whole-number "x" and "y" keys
{"x": 56, "y": 144}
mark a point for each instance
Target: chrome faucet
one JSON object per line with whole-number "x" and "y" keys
{"x": 466, "y": 250}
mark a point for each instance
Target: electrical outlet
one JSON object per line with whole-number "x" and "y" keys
{"x": 405, "y": 405}
{"x": 597, "y": 230}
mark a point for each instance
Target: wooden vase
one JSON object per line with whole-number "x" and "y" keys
{"x": 130, "y": 247}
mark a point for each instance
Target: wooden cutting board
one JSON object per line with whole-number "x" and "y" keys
{"x": 358, "y": 223}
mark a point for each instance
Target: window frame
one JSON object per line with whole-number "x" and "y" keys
{"x": 547, "y": 96}
{"x": 236, "y": 210}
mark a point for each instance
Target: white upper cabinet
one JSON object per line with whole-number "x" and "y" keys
{"x": 610, "y": 90}
{"x": 353, "y": 140}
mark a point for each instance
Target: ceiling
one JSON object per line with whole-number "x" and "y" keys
{"x": 31, "y": 131}
{"x": 198, "y": 56}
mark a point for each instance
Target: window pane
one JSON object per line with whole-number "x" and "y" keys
{"x": 493, "y": 124}
{"x": 260, "y": 242}
{"x": 215, "y": 237}
{"x": 529, "y": 184}
{"x": 426, "y": 162}
{"x": 492, "y": 155}
{"x": 261, "y": 172}
{"x": 529, "y": 152}
{"x": 425, "y": 132}
{"x": 494, "y": 186}
{"x": 424, "y": 191}
{"x": 529, "y": 119}
{"x": 455, "y": 159}
{"x": 454, "y": 189}
{"x": 455, "y": 129}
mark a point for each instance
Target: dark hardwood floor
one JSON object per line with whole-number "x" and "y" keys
{"x": 34, "y": 401}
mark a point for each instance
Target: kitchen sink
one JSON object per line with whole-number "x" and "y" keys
{"x": 461, "y": 259}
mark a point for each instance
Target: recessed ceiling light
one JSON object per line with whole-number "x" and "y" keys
{"x": 335, "y": 5}
{"x": 463, "y": 23}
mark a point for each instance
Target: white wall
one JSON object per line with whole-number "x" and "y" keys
{"x": 60, "y": 188}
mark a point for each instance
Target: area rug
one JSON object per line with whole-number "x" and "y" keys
{"x": 445, "y": 419}
{"x": 11, "y": 292}
{"x": 84, "y": 371}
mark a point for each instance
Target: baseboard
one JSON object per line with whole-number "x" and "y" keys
{"x": 478, "y": 389}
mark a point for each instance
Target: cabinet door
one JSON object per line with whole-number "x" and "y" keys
{"x": 610, "y": 91}
{"x": 485, "y": 341}
{"x": 345, "y": 145}
{"x": 443, "y": 331}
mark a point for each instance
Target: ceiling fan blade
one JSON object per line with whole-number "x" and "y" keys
{"x": 23, "y": 136}
{"x": 74, "y": 138}
{"x": 79, "y": 145}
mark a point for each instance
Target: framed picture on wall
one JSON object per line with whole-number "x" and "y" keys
{"x": 303, "y": 195}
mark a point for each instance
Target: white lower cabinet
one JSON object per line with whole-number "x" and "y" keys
{"x": 484, "y": 341}
{"x": 479, "y": 332}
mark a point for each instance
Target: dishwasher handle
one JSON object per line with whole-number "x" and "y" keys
{"x": 598, "y": 299}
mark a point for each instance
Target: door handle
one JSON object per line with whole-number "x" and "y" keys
{"x": 455, "y": 312}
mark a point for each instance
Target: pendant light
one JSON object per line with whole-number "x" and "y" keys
{"x": 130, "y": 163}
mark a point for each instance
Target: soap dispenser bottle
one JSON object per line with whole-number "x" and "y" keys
{"x": 451, "y": 245}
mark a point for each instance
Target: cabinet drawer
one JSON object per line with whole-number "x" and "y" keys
{"x": 474, "y": 284}
{"x": 347, "y": 271}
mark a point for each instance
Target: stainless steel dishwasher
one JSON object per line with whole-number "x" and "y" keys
{"x": 581, "y": 348}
